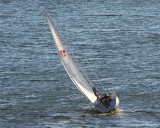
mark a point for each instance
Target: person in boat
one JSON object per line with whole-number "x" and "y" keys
{"x": 96, "y": 93}
{"x": 106, "y": 99}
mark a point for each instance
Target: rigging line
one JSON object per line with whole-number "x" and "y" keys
{"x": 96, "y": 76}
{"x": 71, "y": 52}
{"x": 81, "y": 69}
{"x": 73, "y": 56}
{"x": 104, "y": 62}
{"x": 75, "y": 81}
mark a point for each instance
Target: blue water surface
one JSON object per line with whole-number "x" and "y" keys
{"x": 121, "y": 41}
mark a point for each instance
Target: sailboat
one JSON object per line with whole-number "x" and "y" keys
{"x": 103, "y": 104}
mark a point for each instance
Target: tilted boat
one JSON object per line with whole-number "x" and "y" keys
{"x": 103, "y": 104}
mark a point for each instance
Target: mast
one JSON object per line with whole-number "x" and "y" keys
{"x": 72, "y": 67}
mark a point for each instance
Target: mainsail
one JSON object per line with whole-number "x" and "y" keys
{"x": 71, "y": 66}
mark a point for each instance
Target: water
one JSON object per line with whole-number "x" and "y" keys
{"x": 121, "y": 40}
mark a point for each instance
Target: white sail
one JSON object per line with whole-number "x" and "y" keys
{"x": 72, "y": 67}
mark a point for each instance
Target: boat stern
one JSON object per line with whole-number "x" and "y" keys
{"x": 100, "y": 107}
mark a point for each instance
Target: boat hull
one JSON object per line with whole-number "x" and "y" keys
{"x": 100, "y": 107}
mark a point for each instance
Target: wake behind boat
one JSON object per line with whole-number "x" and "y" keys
{"x": 107, "y": 103}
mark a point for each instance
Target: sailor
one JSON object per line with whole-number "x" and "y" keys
{"x": 106, "y": 99}
{"x": 96, "y": 93}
